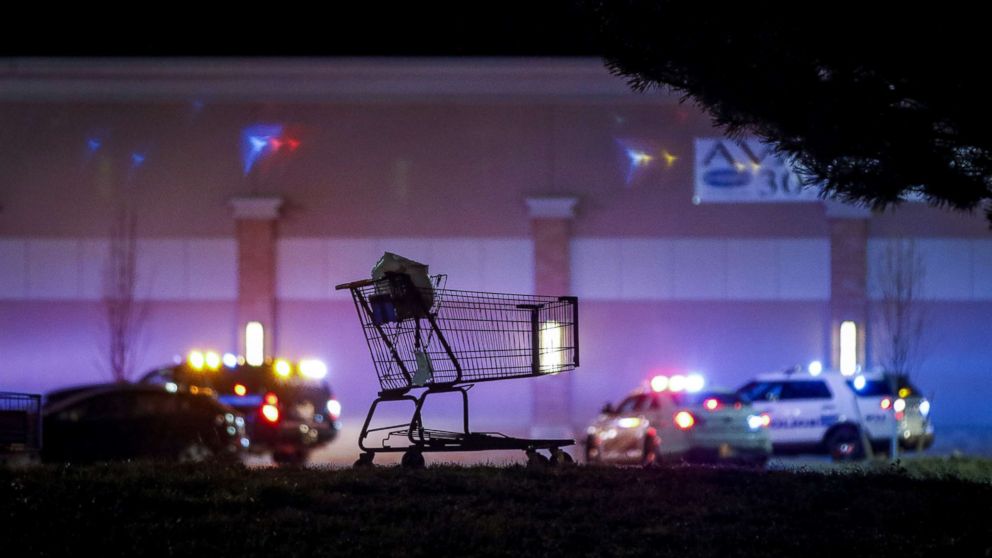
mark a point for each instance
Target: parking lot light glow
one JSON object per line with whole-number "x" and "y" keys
{"x": 171, "y": 387}
{"x": 924, "y": 407}
{"x": 230, "y": 360}
{"x": 195, "y": 360}
{"x": 240, "y": 389}
{"x": 694, "y": 383}
{"x": 334, "y": 408}
{"x": 815, "y": 368}
{"x": 676, "y": 383}
{"x": 848, "y": 348}
{"x": 212, "y": 360}
{"x": 313, "y": 368}
{"x": 885, "y": 403}
{"x": 659, "y": 383}
{"x": 254, "y": 344}
{"x": 899, "y": 405}
{"x": 283, "y": 368}
{"x": 712, "y": 404}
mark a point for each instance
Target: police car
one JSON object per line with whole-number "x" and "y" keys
{"x": 289, "y": 409}
{"x": 672, "y": 419}
{"x": 814, "y": 411}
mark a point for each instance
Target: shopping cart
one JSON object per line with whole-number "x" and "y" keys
{"x": 445, "y": 341}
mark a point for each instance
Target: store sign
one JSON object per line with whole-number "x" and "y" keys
{"x": 729, "y": 171}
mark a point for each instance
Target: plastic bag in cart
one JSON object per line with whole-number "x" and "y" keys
{"x": 393, "y": 300}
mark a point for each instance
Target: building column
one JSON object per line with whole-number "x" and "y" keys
{"x": 551, "y": 233}
{"x": 255, "y": 229}
{"x": 848, "y": 276}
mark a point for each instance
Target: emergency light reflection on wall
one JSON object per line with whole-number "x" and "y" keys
{"x": 254, "y": 344}
{"x": 848, "y": 348}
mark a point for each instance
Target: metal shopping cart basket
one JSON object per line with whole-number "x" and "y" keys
{"x": 442, "y": 341}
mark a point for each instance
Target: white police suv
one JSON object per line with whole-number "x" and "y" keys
{"x": 820, "y": 413}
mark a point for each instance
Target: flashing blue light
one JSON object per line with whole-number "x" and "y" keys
{"x": 255, "y": 142}
{"x": 137, "y": 159}
{"x": 93, "y": 144}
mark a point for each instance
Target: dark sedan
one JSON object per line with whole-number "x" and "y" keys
{"x": 123, "y": 421}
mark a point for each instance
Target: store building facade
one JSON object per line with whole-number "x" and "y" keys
{"x": 259, "y": 185}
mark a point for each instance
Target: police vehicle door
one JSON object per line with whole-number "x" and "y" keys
{"x": 811, "y": 407}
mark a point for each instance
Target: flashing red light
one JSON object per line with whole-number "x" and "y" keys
{"x": 738, "y": 406}
{"x": 240, "y": 390}
{"x": 900, "y": 415}
{"x": 270, "y": 413}
{"x": 271, "y": 399}
{"x": 276, "y": 144}
{"x": 712, "y": 404}
{"x": 885, "y": 404}
{"x": 293, "y": 144}
{"x": 684, "y": 420}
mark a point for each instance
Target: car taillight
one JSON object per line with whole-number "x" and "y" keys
{"x": 885, "y": 404}
{"x": 684, "y": 420}
{"x": 270, "y": 413}
{"x": 712, "y": 404}
{"x": 240, "y": 390}
{"x": 271, "y": 399}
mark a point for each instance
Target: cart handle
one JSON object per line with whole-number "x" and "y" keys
{"x": 355, "y": 284}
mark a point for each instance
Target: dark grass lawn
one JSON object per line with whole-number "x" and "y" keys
{"x": 152, "y": 510}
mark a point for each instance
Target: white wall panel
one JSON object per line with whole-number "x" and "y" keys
{"x": 700, "y": 268}
{"x": 301, "y": 269}
{"x": 13, "y": 269}
{"x": 417, "y": 249}
{"x": 508, "y": 266}
{"x": 804, "y": 269}
{"x": 948, "y": 268}
{"x": 53, "y": 269}
{"x": 981, "y": 270}
{"x": 93, "y": 256}
{"x": 462, "y": 260}
{"x": 646, "y": 266}
{"x": 350, "y": 259}
{"x": 212, "y": 269}
{"x": 752, "y": 269}
{"x": 596, "y": 271}
{"x": 162, "y": 269}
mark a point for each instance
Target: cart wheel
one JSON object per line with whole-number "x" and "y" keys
{"x": 364, "y": 461}
{"x": 560, "y": 458}
{"x": 413, "y": 459}
{"x": 536, "y": 460}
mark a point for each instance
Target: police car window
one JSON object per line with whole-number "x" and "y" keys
{"x": 805, "y": 390}
{"x": 761, "y": 391}
{"x": 872, "y": 388}
{"x": 632, "y": 404}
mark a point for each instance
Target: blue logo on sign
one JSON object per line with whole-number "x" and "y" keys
{"x": 727, "y": 178}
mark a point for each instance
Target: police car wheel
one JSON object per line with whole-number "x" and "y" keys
{"x": 845, "y": 444}
{"x": 293, "y": 457}
{"x": 195, "y": 452}
{"x": 592, "y": 449}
